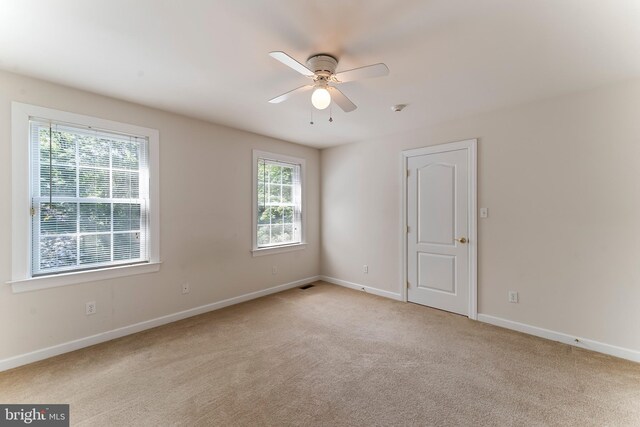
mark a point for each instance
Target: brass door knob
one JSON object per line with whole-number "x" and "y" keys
{"x": 462, "y": 240}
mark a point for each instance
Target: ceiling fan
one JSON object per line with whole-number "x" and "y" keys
{"x": 321, "y": 68}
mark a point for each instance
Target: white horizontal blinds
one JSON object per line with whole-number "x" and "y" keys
{"x": 90, "y": 193}
{"x": 279, "y": 203}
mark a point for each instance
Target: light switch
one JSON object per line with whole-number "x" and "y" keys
{"x": 484, "y": 212}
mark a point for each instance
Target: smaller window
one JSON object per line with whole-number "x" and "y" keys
{"x": 278, "y": 201}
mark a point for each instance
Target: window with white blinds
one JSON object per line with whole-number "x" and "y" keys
{"x": 90, "y": 198}
{"x": 279, "y": 201}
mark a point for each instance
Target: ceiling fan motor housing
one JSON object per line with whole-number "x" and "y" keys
{"x": 323, "y": 65}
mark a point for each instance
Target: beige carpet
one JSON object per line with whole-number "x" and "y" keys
{"x": 332, "y": 356}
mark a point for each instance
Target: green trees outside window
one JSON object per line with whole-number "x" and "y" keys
{"x": 278, "y": 189}
{"x": 89, "y": 204}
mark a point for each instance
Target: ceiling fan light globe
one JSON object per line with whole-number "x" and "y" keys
{"x": 321, "y": 98}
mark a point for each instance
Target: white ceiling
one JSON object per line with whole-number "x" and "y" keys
{"x": 209, "y": 59}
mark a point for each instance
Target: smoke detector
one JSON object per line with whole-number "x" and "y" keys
{"x": 398, "y": 107}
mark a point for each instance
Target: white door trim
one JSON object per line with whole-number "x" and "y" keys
{"x": 471, "y": 145}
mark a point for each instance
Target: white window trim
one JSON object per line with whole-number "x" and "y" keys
{"x": 256, "y": 251}
{"x": 21, "y": 279}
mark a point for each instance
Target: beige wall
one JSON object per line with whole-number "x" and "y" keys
{"x": 205, "y": 212}
{"x": 562, "y": 183}
{"x": 559, "y": 177}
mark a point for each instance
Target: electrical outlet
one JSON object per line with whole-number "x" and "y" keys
{"x": 513, "y": 296}
{"x": 365, "y": 269}
{"x": 274, "y": 270}
{"x": 186, "y": 288}
{"x": 90, "y": 308}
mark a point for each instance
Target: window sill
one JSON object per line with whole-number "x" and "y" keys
{"x": 74, "y": 278}
{"x": 278, "y": 249}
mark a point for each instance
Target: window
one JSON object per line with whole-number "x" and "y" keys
{"x": 91, "y": 187}
{"x": 278, "y": 202}
{"x": 89, "y": 198}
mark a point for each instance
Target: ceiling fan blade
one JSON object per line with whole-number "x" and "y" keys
{"x": 292, "y": 63}
{"x": 367, "y": 72}
{"x": 286, "y": 95}
{"x": 340, "y": 99}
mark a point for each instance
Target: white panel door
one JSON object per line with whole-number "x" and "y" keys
{"x": 438, "y": 213}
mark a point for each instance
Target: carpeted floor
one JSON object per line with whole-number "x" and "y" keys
{"x": 332, "y": 356}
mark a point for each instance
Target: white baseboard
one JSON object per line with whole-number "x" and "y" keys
{"x": 612, "y": 350}
{"x": 45, "y": 353}
{"x": 367, "y": 289}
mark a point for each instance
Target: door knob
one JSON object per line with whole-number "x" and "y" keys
{"x": 462, "y": 240}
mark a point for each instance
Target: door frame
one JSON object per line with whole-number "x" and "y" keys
{"x": 470, "y": 145}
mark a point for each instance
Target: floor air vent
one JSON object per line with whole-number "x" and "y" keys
{"x": 306, "y": 287}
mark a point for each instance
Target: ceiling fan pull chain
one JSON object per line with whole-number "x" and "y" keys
{"x": 330, "y": 115}
{"x": 311, "y": 122}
